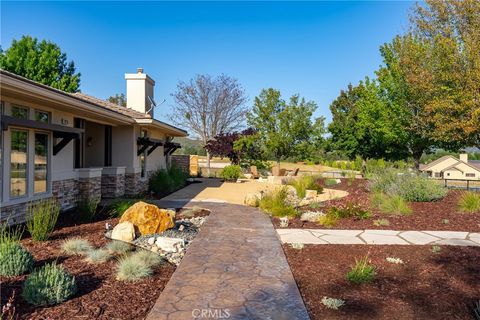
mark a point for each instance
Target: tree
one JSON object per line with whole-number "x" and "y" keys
{"x": 284, "y": 128}
{"x": 407, "y": 83}
{"x": 222, "y": 145}
{"x": 365, "y": 125}
{"x": 450, "y": 30}
{"x": 209, "y": 106}
{"x": 118, "y": 99}
{"x": 42, "y": 61}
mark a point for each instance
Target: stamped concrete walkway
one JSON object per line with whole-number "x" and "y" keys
{"x": 235, "y": 268}
{"x": 321, "y": 236}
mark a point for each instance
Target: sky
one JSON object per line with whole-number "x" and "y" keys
{"x": 314, "y": 49}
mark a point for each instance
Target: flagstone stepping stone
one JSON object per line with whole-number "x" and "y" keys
{"x": 417, "y": 237}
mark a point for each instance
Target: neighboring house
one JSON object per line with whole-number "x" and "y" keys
{"x": 73, "y": 146}
{"x": 449, "y": 167}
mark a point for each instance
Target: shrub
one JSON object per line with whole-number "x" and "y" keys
{"x": 328, "y": 221}
{"x": 332, "y": 303}
{"x": 361, "y": 272}
{"x": 41, "y": 218}
{"x": 411, "y": 187}
{"x": 131, "y": 269}
{"x": 49, "y": 285}
{"x": 381, "y": 222}
{"x": 275, "y": 203}
{"x": 14, "y": 259}
{"x": 147, "y": 258}
{"x": 117, "y": 208}
{"x": 469, "y": 202}
{"x": 98, "y": 256}
{"x": 87, "y": 209}
{"x": 118, "y": 247}
{"x": 348, "y": 210}
{"x": 231, "y": 173}
{"x": 10, "y": 234}
{"x": 76, "y": 246}
{"x": 164, "y": 181}
{"x": 330, "y": 182}
{"x": 391, "y": 204}
{"x": 304, "y": 183}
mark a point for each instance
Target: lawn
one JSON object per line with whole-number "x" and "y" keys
{"x": 444, "y": 284}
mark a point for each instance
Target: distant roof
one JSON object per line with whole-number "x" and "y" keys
{"x": 475, "y": 163}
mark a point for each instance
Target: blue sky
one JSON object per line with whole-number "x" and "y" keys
{"x": 311, "y": 48}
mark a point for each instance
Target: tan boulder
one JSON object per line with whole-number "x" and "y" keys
{"x": 252, "y": 200}
{"x": 149, "y": 218}
{"x": 124, "y": 231}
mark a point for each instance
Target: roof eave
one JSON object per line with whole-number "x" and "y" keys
{"x": 169, "y": 129}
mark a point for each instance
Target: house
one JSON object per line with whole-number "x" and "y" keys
{"x": 449, "y": 167}
{"x": 73, "y": 146}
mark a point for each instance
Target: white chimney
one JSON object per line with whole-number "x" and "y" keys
{"x": 139, "y": 89}
{"x": 464, "y": 157}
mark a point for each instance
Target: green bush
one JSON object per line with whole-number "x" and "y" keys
{"x": 98, "y": 256}
{"x": 390, "y": 204}
{"x": 330, "y": 182}
{"x": 10, "y": 234}
{"x": 49, "y": 285}
{"x": 147, "y": 258}
{"x": 348, "y": 210}
{"x": 469, "y": 202}
{"x": 328, "y": 221}
{"x": 165, "y": 181}
{"x": 130, "y": 268}
{"x": 231, "y": 173}
{"x": 275, "y": 203}
{"x": 395, "y": 205}
{"x": 411, "y": 187}
{"x": 118, "y": 247}
{"x": 87, "y": 209}
{"x": 304, "y": 183}
{"x": 76, "y": 246}
{"x": 117, "y": 208}
{"x": 361, "y": 272}
{"x": 14, "y": 259}
{"x": 41, "y": 218}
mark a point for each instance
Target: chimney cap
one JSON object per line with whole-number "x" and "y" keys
{"x": 139, "y": 70}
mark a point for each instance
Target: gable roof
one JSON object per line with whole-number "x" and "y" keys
{"x": 431, "y": 164}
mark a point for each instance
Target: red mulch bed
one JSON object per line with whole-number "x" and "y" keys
{"x": 425, "y": 215}
{"x": 100, "y": 295}
{"x": 429, "y": 285}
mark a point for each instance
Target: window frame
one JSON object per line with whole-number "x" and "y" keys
{"x": 6, "y": 198}
{"x": 27, "y": 163}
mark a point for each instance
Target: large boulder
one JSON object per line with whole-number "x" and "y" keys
{"x": 149, "y": 218}
{"x": 124, "y": 231}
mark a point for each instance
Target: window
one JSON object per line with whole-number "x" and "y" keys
{"x": 471, "y": 175}
{"x": 438, "y": 174}
{"x": 448, "y": 174}
{"x": 42, "y": 116}
{"x": 18, "y": 163}
{"x": 19, "y": 112}
{"x": 40, "y": 163}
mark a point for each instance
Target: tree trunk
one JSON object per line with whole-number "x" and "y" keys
{"x": 416, "y": 158}
{"x": 208, "y": 164}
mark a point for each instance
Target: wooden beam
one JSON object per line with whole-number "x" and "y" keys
{"x": 58, "y": 130}
{"x": 61, "y": 144}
